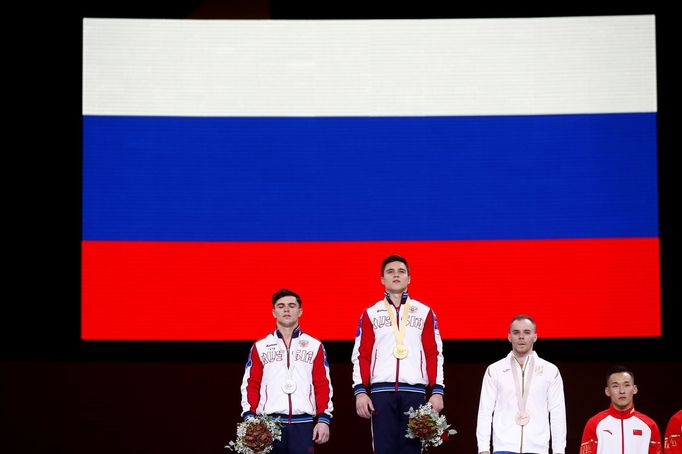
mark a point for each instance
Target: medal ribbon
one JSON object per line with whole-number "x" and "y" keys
{"x": 291, "y": 365}
{"x": 521, "y": 396}
{"x": 398, "y": 333}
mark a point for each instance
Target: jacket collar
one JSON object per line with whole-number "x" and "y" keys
{"x": 621, "y": 414}
{"x": 387, "y": 296}
{"x": 295, "y": 334}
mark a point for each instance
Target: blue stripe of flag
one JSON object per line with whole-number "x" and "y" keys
{"x": 369, "y": 178}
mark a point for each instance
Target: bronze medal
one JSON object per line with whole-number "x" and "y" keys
{"x": 521, "y": 418}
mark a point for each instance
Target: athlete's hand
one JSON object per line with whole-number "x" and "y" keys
{"x": 321, "y": 433}
{"x": 363, "y": 405}
{"x": 436, "y": 402}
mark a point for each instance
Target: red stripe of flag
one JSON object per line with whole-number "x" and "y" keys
{"x": 222, "y": 290}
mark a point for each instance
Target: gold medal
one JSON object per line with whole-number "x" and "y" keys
{"x": 400, "y": 351}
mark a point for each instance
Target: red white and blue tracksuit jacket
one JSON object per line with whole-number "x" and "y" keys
{"x": 270, "y": 363}
{"x": 375, "y": 369}
{"x": 621, "y": 432}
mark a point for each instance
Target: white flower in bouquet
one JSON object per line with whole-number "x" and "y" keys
{"x": 256, "y": 435}
{"x": 427, "y": 425}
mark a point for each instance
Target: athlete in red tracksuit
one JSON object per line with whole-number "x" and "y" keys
{"x": 621, "y": 429}
{"x": 397, "y": 359}
{"x": 673, "y": 435}
{"x": 287, "y": 377}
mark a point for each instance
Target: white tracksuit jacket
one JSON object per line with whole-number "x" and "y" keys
{"x": 545, "y": 405}
{"x": 270, "y": 363}
{"x": 375, "y": 369}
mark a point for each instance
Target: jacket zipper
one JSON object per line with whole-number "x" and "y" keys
{"x": 523, "y": 390}
{"x": 397, "y": 360}
{"x": 288, "y": 367}
{"x": 622, "y": 433}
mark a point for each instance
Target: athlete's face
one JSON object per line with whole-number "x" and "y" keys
{"x": 395, "y": 277}
{"x": 287, "y": 311}
{"x": 621, "y": 389}
{"x": 522, "y": 335}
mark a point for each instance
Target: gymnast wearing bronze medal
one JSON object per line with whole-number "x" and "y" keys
{"x": 522, "y": 399}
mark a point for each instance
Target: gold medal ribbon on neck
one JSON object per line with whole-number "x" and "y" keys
{"x": 400, "y": 350}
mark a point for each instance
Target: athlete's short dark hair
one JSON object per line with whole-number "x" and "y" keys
{"x": 619, "y": 369}
{"x": 394, "y": 258}
{"x": 286, "y": 292}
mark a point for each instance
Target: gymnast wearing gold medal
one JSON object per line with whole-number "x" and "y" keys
{"x": 397, "y": 361}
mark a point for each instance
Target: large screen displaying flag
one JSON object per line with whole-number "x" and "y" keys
{"x": 513, "y": 162}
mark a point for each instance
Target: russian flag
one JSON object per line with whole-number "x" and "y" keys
{"x": 511, "y": 161}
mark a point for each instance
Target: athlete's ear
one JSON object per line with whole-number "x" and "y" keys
{"x": 634, "y": 389}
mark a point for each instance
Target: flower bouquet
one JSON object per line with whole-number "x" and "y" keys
{"x": 425, "y": 423}
{"x": 256, "y": 435}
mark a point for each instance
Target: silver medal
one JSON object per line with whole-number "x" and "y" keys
{"x": 289, "y": 386}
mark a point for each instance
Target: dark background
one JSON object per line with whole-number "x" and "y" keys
{"x": 59, "y": 394}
